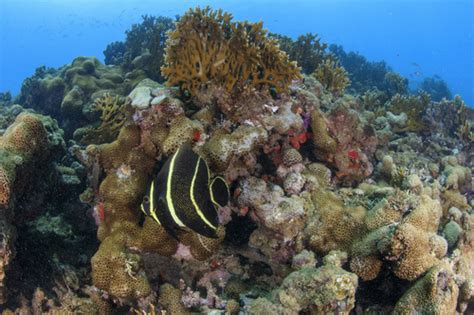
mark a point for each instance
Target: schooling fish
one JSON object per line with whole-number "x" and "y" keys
{"x": 181, "y": 195}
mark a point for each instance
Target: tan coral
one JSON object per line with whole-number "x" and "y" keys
{"x": 25, "y": 136}
{"x": 335, "y": 226}
{"x": 321, "y": 136}
{"x": 435, "y": 293}
{"x": 291, "y": 156}
{"x": 222, "y": 148}
{"x": 5, "y": 187}
{"x": 332, "y": 76}
{"x": 113, "y": 117}
{"x": 182, "y": 130}
{"x": 414, "y": 251}
{"x": 207, "y": 48}
{"x": 170, "y": 299}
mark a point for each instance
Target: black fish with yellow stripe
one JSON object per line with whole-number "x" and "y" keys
{"x": 181, "y": 195}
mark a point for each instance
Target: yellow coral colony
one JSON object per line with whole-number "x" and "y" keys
{"x": 207, "y": 48}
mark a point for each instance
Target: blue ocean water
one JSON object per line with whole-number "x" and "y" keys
{"x": 417, "y": 38}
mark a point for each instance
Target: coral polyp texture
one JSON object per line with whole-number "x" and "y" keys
{"x": 23, "y": 146}
{"x": 207, "y": 48}
{"x": 347, "y": 193}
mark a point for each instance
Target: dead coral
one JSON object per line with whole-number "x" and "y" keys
{"x": 207, "y": 48}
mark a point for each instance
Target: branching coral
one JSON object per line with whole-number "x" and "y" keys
{"x": 207, "y": 48}
{"x": 113, "y": 117}
{"x": 414, "y": 107}
{"x": 333, "y": 76}
{"x": 307, "y": 50}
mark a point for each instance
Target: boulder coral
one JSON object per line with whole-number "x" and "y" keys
{"x": 434, "y": 293}
{"x": 24, "y": 145}
{"x": 408, "y": 243}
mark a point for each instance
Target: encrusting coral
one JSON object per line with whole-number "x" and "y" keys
{"x": 207, "y": 48}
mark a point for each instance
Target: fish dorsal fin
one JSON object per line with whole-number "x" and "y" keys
{"x": 219, "y": 191}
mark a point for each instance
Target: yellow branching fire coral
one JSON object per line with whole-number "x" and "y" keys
{"x": 332, "y": 76}
{"x": 113, "y": 117}
{"x": 207, "y": 48}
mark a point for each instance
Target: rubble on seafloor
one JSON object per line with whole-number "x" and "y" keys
{"x": 337, "y": 206}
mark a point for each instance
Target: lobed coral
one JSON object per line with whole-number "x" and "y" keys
{"x": 23, "y": 145}
{"x": 435, "y": 293}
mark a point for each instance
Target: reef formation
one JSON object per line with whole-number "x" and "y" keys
{"x": 347, "y": 196}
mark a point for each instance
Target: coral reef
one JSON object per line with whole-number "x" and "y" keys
{"x": 339, "y": 203}
{"x": 436, "y": 88}
{"x": 414, "y": 107}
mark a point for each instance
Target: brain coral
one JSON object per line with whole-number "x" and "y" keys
{"x": 207, "y": 48}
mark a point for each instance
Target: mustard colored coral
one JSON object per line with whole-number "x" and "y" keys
{"x": 207, "y": 48}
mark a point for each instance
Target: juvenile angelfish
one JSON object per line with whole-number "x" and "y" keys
{"x": 181, "y": 195}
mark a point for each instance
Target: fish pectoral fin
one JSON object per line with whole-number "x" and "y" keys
{"x": 219, "y": 192}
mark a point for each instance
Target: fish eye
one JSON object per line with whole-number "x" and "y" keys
{"x": 146, "y": 199}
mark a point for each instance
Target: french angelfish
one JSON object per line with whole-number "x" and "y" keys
{"x": 182, "y": 196}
